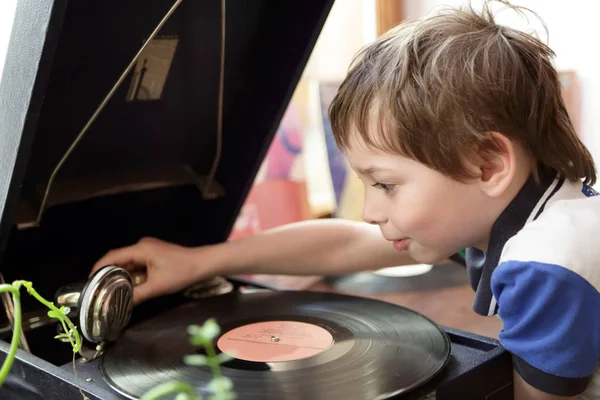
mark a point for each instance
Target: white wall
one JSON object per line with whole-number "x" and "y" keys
{"x": 349, "y": 26}
{"x": 573, "y": 36}
{"x": 7, "y": 14}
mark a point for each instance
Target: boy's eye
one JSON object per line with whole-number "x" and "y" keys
{"x": 386, "y": 187}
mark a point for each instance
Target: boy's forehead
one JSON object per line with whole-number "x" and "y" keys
{"x": 356, "y": 149}
{"x": 357, "y": 143}
{"x": 364, "y": 158}
{"x": 375, "y": 136}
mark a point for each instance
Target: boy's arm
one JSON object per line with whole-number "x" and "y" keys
{"x": 551, "y": 328}
{"x": 320, "y": 247}
{"x": 547, "y": 289}
{"x": 524, "y": 391}
{"x": 316, "y": 247}
{"x": 549, "y": 308}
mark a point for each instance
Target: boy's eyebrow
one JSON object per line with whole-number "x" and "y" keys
{"x": 371, "y": 169}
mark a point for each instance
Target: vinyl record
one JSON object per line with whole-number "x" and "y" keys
{"x": 289, "y": 345}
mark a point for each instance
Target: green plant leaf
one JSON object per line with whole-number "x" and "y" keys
{"x": 62, "y": 336}
{"x": 196, "y": 359}
{"x": 220, "y": 384}
{"x": 223, "y": 358}
{"x": 169, "y": 387}
{"x": 222, "y": 396}
{"x": 210, "y": 329}
{"x": 198, "y": 340}
{"x": 53, "y": 314}
{"x": 195, "y": 330}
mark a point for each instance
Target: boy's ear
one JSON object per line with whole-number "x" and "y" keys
{"x": 495, "y": 167}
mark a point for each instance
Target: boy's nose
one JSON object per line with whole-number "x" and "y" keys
{"x": 373, "y": 214}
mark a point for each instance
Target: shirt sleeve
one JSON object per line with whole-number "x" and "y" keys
{"x": 551, "y": 319}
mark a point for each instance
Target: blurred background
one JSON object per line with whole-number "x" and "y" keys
{"x": 305, "y": 177}
{"x": 303, "y": 165}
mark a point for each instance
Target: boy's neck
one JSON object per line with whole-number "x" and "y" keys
{"x": 498, "y": 206}
{"x": 520, "y": 200}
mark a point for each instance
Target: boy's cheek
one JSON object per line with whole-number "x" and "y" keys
{"x": 418, "y": 219}
{"x": 429, "y": 230}
{"x": 409, "y": 222}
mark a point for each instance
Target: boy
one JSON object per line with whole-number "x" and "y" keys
{"x": 457, "y": 128}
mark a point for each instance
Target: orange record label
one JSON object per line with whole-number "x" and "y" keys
{"x": 275, "y": 341}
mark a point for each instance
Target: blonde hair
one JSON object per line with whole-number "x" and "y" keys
{"x": 433, "y": 89}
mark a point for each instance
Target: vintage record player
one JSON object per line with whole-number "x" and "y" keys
{"x": 121, "y": 119}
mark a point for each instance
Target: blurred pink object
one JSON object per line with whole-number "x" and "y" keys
{"x": 279, "y": 196}
{"x": 286, "y": 147}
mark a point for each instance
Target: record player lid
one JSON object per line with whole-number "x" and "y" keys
{"x": 147, "y": 156}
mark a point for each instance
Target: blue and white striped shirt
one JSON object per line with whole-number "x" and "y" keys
{"x": 541, "y": 276}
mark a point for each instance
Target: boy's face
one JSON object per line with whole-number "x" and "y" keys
{"x": 418, "y": 209}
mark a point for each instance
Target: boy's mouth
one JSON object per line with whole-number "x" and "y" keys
{"x": 401, "y": 244}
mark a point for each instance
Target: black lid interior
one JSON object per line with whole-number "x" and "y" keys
{"x": 137, "y": 171}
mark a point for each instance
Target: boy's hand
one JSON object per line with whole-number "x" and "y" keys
{"x": 168, "y": 267}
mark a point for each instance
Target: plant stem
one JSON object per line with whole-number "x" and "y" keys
{"x": 212, "y": 357}
{"x": 72, "y": 332}
{"x": 14, "y": 343}
{"x": 71, "y": 327}
{"x": 68, "y": 326}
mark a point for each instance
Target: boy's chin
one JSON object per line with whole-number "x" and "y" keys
{"x": 428, "y": 255}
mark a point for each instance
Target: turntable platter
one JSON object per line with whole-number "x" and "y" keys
{"x": 289, "y": 345}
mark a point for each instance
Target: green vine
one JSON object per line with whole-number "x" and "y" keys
{"x": 220, "y": 386}
{"x": 69, "y": 329}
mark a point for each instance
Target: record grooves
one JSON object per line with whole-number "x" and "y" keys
{"x": 341, "y": 347}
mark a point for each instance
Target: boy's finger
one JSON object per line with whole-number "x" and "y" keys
{"x": 142, "y": 293}
{"x": 126, "y": 257}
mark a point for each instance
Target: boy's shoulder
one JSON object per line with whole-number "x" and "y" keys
{"x": 565, "y": 236}
{"x": 546, "y": 285}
